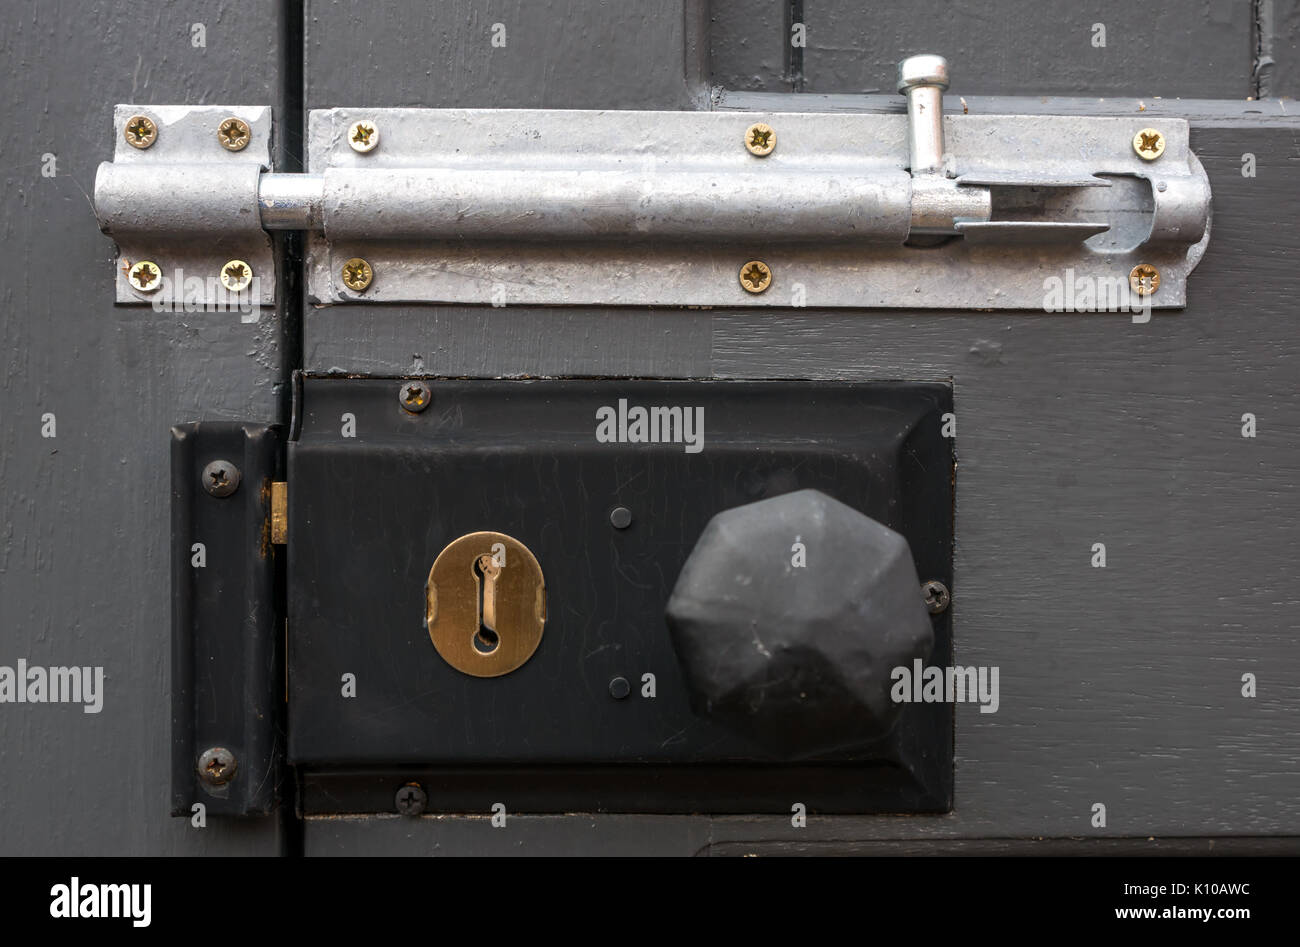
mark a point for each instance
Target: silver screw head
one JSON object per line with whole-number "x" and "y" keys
{"x": 221, "y": 478}
{"x": 217, "y": 766}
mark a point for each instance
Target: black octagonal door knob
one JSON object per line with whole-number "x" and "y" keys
{"x": 788, "y": 619}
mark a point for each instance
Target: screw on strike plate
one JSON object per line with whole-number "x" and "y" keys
{"x": 221, "y": 478}
{"x": 234, "y": 134}
{"x": 936, "y": 596}
{"x": 145, "y": 276}
{"x": 760, "y": 139}
{"x": 414, "y": 396}
{"x": 140, "y": 131}
{"x": 1149, "y": 144}
{"x": 1144, "y": 279}
{"x": 357, "y": 274}
{"x": 410, "y": 799}
{"x": 363, "y": 136}
{"x": 217, "y": 766}
{"x": 755, "y": 276}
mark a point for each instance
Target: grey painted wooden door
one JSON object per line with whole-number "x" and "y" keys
{"x": 1122, "y": 686}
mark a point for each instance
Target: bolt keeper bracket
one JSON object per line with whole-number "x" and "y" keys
{"x": 556, "y": 207}
{"x": 227, "y": 655}
{"x": 188, "y": 205}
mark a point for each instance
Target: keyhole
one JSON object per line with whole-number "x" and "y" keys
{"x": 486, "y": 640}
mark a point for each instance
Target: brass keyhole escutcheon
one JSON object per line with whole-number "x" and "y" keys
{"x": 485, "y": 604}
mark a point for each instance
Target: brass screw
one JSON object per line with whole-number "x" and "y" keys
{"x": 363, "y": 136}
{"x": 145, "y": 276}
{"x": 1149, "y": 144}
{"x": 236, "y": 275}
{"x": 357, "y": 274}
{"x": 234, "y": 134}
{"x": 140, "y": 131}
{"x": 1144, "y": 279}
{"x": 760, "y": 139}
{"x": 755, "y": 276}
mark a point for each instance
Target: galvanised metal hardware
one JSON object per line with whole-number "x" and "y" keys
{"x": 510, "y": 206}
{"x": 187, "y": 206}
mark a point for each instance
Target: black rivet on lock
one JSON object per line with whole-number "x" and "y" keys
{"x": 620, "y": 517}
{"x": 410, "y": 800}
{"x": 414, "y": 396}
{"x": 936, "y": 596}
{"x": 619, "y": 688}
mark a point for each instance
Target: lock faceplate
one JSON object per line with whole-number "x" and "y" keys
{"x": 485, "y": 604}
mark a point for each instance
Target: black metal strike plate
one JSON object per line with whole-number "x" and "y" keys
{"x": 227, "y": 671}
{"x": 386, "y": 474}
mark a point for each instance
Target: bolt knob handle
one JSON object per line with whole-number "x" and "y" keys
{"x": 920, "y": 71}
{"x": 923, "y": 80}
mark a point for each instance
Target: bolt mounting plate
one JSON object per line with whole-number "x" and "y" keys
{"x": 189, "y": 205}
{"x": 1081, "y": 172}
